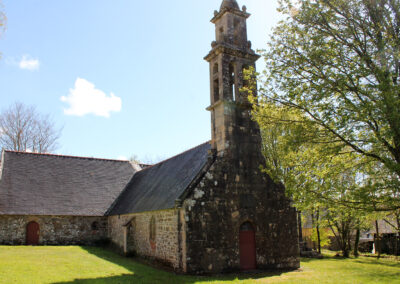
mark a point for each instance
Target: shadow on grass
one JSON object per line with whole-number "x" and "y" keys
{"x": 377, "y": 262}
{"x": 141, "y": 273}
{"x": 326, "y": 257}
{"x": 360, "y": 260}
{"x": 371, "y": 270}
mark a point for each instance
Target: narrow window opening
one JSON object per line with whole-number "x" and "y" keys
{"x": 232, "y": 81}
{"x": 215, "y": 69}
{"x": 152, "y": 229}
{"x": 236, "y": 31}
{"x": 216, "y": 90}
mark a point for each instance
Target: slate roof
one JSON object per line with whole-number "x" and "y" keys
{"x": 158, "y": 186}
{"x": 43, "y": 184}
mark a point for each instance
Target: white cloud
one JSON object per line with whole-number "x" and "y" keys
{"x": 29, "y": 63}
{"x": 122, "y": 158}
{"x": 85, "y": 99}
{"x": 26, "y": 62}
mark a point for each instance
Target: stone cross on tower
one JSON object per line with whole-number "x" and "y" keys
{"x": 232, "y": 127}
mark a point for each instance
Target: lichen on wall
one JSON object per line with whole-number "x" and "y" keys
{"x": 233, "y": 193}
{"x": 165, "y": 246}
{"x": 54, "y": 230}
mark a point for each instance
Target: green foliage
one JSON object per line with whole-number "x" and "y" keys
{"x": 324, "y": 235}
{"x": 332, "y": 83}
{"x": 328, "y": 109}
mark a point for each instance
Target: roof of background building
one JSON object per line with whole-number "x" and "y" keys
{"x": 44, "y": 184}
{"x": 159, "y": 186}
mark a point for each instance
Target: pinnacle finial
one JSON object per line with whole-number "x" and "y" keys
{"x": 229, "y": 4}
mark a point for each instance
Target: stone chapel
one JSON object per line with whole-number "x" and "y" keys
{"x": 207, "y": 210}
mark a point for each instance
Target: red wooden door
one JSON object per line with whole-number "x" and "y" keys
{"x": 247, "y": 249}
{"x": 32, "y": 233}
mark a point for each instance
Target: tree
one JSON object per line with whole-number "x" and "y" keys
{"x": 337, "y": 64}
{"x": 326, "y": 187}
{"x": 321, "y": 186}
{"x": 23, "y": 129}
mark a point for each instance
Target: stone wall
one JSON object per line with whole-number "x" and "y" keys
{"x": 232, "y": 192}
{"x": 54, "y": 230}
{"x": 131, "y": 234}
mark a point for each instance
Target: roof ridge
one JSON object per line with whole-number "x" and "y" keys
{"x": 66, "y": 156}
{"x": 177, "y": 155}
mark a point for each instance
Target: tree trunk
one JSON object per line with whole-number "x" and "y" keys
{"x": 313, "y": 226}
{"x": 345, "y": 250}
{"x": 349, "y": 240}
{"x": 318, "y": 233}
{"x": 300, "y": 230}
{"x": 398, "y": 234}
{"x": 377, "y": 240}
{"x": 345, "y": 247}
{"x": 356, "y": 242}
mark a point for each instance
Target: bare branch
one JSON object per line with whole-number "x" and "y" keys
{"x": 23, "y": 129}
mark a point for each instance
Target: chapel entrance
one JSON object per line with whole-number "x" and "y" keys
{"x": 247, "y": 247}
{"x": 32, "y": 233}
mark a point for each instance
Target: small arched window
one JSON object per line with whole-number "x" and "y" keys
{"x": 152, "y": 229}
{"x": 95, "y": 226}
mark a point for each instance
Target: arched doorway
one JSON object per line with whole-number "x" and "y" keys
{"x": 32, "y": 233}
{"x": 247, "y": 247}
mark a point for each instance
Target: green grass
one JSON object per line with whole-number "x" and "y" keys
{"x": 96, "y": 265}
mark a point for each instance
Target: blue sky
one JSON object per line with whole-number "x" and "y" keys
{"x": 120, "y": 77}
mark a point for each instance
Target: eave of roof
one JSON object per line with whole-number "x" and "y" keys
{"x": 159, "y": 186}
{"x": 47, "y": 184}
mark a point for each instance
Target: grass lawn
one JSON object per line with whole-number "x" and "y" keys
{"x": 95, "y": 265}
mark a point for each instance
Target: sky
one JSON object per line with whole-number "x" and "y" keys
{"x": 120, "y": 78}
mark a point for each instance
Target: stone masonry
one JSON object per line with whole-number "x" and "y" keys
{"x": 210, "y": 209}
{"x": 131, "y": 234}
{"x": 229, "y": 195}
{"x": 55, "y": 230}
{"x": 234, "y": 191}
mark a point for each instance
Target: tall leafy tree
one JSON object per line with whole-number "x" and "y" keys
{"x": 336, "y": 64}
{"x": 325, "y": 187}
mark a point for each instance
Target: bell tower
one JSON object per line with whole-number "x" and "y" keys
{"x": 237, "y": 218}
{"x": 231, "y": 53}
